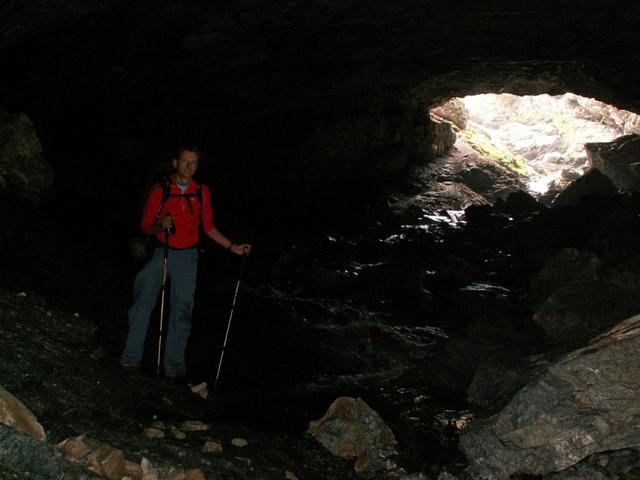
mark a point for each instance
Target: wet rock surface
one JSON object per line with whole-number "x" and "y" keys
{"x": 453, "y": 181}
{"x": 351, "y": 429}
{"x": 582, "y": 404}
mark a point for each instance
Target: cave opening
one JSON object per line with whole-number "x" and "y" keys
{"x": 539, "y": 139}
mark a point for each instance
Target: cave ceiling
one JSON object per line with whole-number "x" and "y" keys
{"x": 266, "y": 55}
{"x": 281, "y": 70}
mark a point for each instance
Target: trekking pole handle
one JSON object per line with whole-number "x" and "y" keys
{"x": 171, "y": 228}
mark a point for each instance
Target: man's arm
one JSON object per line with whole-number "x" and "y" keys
{"x": 218, "y": 237}
{"x": 213, "y": 233}
{"x": 149, "y": 222}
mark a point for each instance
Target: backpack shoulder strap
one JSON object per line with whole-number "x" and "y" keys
{"x": 166, "y": 193}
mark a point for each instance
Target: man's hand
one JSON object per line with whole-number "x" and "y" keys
{"x": 167, "y": 222}
{"x": 242, "y": 249}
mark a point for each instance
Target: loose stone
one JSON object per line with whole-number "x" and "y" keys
{"x": 158, "y": 424}
{"x": 147, "y": 467}
{"x": 153, "y": 433}
{"x": 194, "y": 474}
{"x": 113, "y": 465}
{"x": 75, "y": 449}
{"x": 132, "y": 469}
{"x": 239, "y": 442}
{"x": 212, "y": 447}
{"x": 194, "y": 426}
{"x": 201, "y": 389}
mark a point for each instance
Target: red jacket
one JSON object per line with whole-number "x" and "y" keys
{"x": 185, "y": 219}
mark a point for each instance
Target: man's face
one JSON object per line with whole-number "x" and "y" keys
{"x": 186, "y": 164}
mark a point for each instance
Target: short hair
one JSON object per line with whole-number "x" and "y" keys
{"x": 185, "y": 147}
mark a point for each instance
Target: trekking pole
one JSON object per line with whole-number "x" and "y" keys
{"x": 233, "y": 305}
{"x": 164, "y": 283}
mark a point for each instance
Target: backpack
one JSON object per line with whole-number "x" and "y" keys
{"x": 166, "y": 194}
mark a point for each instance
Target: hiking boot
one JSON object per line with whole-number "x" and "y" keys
{"x": 129, "y": 367}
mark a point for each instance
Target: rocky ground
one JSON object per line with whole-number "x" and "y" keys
{"x": 435, "y": 321}
{"x": 53, "y": 363}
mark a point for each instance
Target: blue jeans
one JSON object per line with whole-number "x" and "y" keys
{"x": 182, "y": 268}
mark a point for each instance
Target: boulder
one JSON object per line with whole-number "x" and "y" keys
{"x": 494, "y": 342}
{"x": 616, "y": 232}
{"x": 618, "y": 462}
{"x": 14, "y": 414}
{"x": 624, "y": 273}
{"x": 26, "y": 457}
{"x": 567, "y": 266}
{"x": 593, "y": 182}
{"x": 442, "y": 136}
{"x": 618, "y": 160}
{"x": 519, "y": 203}
{"x": 583, "y": 310}
{"x": 454, "y": 111}
{"x": 495, "y": 380}
{"x": 484, "y": 174}
{"x": 351, "y": 429}
{"x": 585, "y": 402}
{"x": 578, "y": 472}
{"x": 485, "y": 217}
{"x": 23, "y": 172}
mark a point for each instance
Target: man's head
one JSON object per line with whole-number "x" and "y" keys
{"x": 185, "y": 161}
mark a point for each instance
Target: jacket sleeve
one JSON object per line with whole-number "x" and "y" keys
{"x": 207, "y": 210}
{"x": 150, "y": 212}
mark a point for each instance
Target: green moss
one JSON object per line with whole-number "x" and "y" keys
{"x": 483, "y": 145}
{"x": 18, "y": 137}
{"x": 566, "y": 128}
{"x": 23, "y": 172}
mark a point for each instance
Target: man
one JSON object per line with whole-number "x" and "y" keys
{"x": 173, "y": 216}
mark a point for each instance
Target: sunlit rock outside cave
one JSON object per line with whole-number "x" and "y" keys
{"x": 540, "y": 138}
